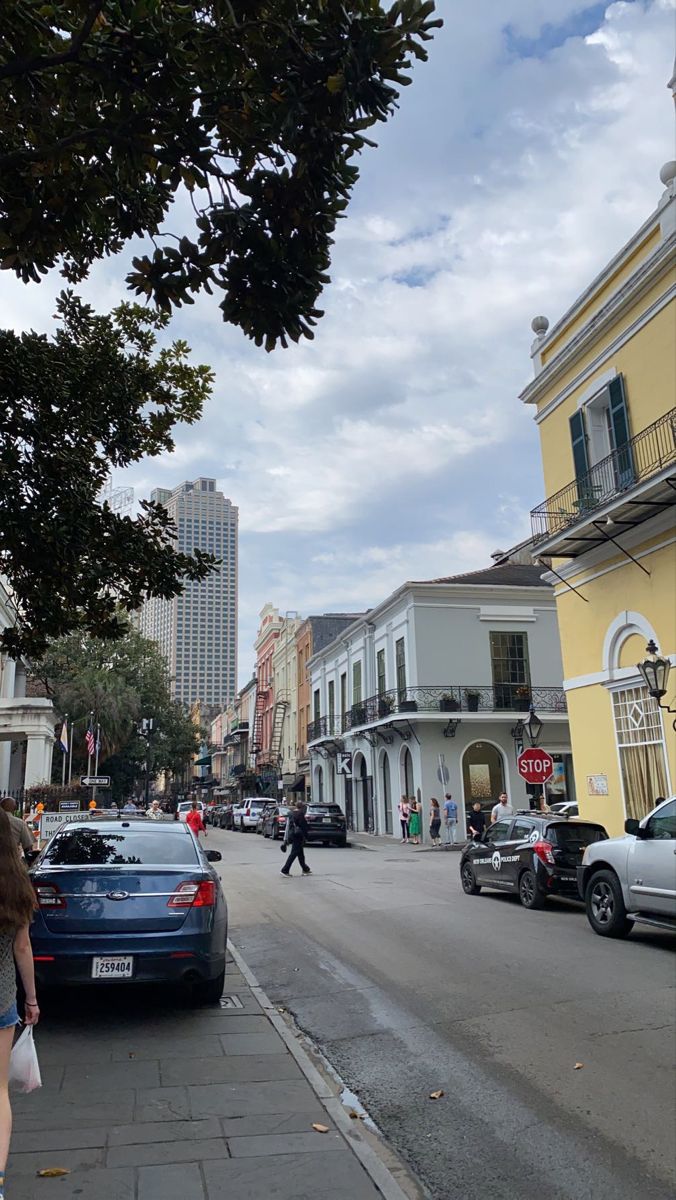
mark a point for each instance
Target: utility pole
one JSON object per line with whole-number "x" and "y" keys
{"x": 147, "y": 732}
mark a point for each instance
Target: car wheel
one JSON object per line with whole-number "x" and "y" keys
{"x": 606, "y": 910}
{"x": 209, "y": 991}
{"x": 531, "y": 894}
{"x": 342, "y": 843}
{"x": 468, "y": 880}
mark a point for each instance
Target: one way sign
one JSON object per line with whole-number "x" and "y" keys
{"x": 344, "y": 764}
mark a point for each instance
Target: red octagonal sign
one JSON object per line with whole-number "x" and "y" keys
{"x": 535, "y": 766}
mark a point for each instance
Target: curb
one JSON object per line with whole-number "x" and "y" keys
{"x": 378, "y": 1173}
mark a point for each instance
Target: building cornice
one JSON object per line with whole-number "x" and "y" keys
{"x": 649, "y": 272}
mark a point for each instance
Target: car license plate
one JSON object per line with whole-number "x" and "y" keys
{"x": 326, "y": 820}
{"x": 113, "y": 967}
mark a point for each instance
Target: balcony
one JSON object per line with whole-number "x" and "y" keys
{"x": 458, "y": 699}
{"x": 633, "y": 483}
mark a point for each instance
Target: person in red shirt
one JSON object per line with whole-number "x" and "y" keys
{"x": 194, "y": 820}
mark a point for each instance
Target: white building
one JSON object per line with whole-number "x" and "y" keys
{"x": 424, "y": 695}
{"x": 26, "y": 723}
{"x": 197, "y": 631}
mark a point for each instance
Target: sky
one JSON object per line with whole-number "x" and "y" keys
{"x": 394, "y": 446}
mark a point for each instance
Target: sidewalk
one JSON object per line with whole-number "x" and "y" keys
{"x": 145, "y": 1100}
{"x": 376, "y": 841}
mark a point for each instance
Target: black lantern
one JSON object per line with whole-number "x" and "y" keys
{"x": 533, "y": 727}
{"x": 655, "y": 672}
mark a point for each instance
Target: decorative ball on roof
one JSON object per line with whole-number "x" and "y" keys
{"x": 668, "y": 172}
{"x": 539, "y": 325}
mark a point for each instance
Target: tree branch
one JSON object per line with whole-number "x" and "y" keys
{"x": 30, "y": 66}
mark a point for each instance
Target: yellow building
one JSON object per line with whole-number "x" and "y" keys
{"x": 604, "y": 393}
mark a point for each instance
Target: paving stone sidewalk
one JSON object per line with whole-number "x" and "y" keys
{"x": 143, "y": 1099}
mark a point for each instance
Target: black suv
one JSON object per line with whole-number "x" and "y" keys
{"x": 326, "y": 823}
{"x": 535, "y": 855}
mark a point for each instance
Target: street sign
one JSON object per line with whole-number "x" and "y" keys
{"x": 51, "y": 821}
{"x": 69, "y": 805}
{"x": 535, "y": 766}
{"x": 344, "y": 764}
{"x": 95, "y": 780}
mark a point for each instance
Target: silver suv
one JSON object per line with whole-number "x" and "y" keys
{"x": 632, "y": 878}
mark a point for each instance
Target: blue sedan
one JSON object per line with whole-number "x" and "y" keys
{"x": 129, "y": 900}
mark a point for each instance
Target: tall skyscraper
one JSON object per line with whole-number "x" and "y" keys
{"x": 197, "y": 631}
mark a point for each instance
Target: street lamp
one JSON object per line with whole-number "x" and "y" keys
{"x": 655, "y": 675}
{"x": 533, "y": 727}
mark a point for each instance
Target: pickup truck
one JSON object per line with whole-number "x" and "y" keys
{"x": 632, "y": 878}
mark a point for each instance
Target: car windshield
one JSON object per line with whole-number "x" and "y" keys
{"x": 576, "y": 834}
{"x": 119, "y": 847}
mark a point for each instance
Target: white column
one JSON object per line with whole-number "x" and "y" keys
{"x": 38, "y": 761}
{"x": 5, "y": 755}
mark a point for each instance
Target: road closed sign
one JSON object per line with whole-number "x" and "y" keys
{"x": 51, "y": 821}
{"x": 535, "y": 766}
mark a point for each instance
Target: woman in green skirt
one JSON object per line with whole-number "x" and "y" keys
{"x": 414, "y": 822}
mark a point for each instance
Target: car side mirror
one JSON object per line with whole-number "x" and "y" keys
{"x": 631, "y": 825}
{"x": 213, "y": 855}
{"x": 31, "y": 855}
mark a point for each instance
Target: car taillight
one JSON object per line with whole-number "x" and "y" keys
{"x": 280, "y": 820}
{"x": 545, "y": 852}
{"x": 49, "y": 896}
{"x": 194, "y": 895}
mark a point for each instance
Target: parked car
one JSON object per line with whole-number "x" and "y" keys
{"x": 261, "y": 816}
{"x": 225, "y": 817}
{"x": 185, "y": 806}
{"x": 566, "y": 808}
{"x": 326, "y": 824}
{"x": 274, "y": 821}
{"x": 133, "y": 901}
{"x": 247, "y": 813}
{"x": 534, "y": 855}
{"x": 633, "y": 878}
{"x": 209, "y": 814}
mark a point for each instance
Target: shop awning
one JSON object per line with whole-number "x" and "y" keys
{"x": 203, "y": 762}
{"x": 298, "y": 785}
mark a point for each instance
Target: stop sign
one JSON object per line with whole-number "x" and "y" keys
{"x": 535, "y": 766}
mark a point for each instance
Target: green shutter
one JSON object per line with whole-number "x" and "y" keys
{"x": 578, "y": 435}
{"x": 619, "y": 429}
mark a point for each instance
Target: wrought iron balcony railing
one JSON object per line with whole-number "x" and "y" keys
{"x": 642, "y": 456}
{"x": 452, "y": 698}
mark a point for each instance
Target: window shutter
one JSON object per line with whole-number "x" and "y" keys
{"x": 619, "y": 432}
{"x": 578, "y": 435}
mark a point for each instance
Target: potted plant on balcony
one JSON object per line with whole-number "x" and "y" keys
{"x": 408, "y": 705}
{"x": 448, "y": 703}
{"x": 522, "y": 693}
{"x": 358, "y": 714}
{"x": 385, "y": 706}
{"x": 472, "y": 698}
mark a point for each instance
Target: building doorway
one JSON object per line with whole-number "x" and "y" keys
{"x": 349, "y": 804}
{"x": 387, "y": 792}
{"x": 483, "y": 774}
{"x": 407, "y": 785}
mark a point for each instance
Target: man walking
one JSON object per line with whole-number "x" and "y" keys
{"x": 450, "y": 819}
{"x": 502, "y": 809}
{"x": 295, "y": 836}
{"x": 20, "y": 831}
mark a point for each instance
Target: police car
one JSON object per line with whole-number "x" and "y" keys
{"x": 534, "y": 855}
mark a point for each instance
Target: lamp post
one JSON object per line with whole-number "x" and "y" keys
{"x": 655, "y": 675}
{"x": 146, "y": 732}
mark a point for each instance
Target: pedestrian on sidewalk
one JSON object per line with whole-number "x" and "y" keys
{"x": 502, "y": 809}
{"x": 194, "y": 820}
{"x": 435, "y": 822}
{"x": 295, "y": 837}
{"x": 155, "y": 812}
{"x": 17, "y": 904}
{"x": 20, "y": 831}
{"x": 450, "y": 819}
{"x": 414, "y": 821}
{"x": 477, "y": 823}
{"x": 404, "y": 814}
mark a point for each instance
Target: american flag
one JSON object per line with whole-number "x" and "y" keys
{"x": 89, "y": 739}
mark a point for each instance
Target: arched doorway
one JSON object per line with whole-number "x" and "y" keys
{"x": 483, "y": 774}
{"x": 319, "y": 785}
{"x": 407, "y": 785}
{"x": 364, "y": 784}
{"x": 387, "y": 792}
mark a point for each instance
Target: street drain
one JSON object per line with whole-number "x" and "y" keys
{"x": 231, "y": 1002}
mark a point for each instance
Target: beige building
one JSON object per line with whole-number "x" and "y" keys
{"x": 285, "y": 689}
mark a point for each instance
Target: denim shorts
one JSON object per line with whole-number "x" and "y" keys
{"x": 9, "y": 1018}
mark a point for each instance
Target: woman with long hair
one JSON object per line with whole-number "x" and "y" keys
{"x": 17, "y": 903}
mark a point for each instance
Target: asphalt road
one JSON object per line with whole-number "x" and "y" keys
{"x": 408, "y": 986}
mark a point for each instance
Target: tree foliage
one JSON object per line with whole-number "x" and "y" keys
{"x": 121, "y": 681}
{"x": 255, "y": 107}
{"x": 99, "y": 394}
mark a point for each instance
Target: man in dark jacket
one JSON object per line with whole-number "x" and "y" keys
{"x": 296, "y": 834}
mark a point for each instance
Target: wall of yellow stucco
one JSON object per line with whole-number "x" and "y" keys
{"x": 648, "y": 363}
{"x": 583, "y": 630}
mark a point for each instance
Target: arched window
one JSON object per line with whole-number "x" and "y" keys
{"x": 407, "y": 773}
{"x": 319, "y": 785}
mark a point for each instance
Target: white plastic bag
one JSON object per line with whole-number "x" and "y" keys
{"x": 24, "y": 1068}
